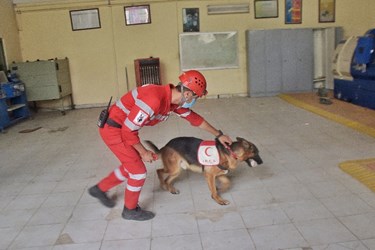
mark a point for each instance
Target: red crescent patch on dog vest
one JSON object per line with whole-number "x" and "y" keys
{"x": 208, "y": 154}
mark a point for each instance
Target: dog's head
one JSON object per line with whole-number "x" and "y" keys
{"x": 247, "y": 151}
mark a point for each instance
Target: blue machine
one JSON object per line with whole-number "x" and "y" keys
{"x": 358, "y": 86}
{"x": 13, "y": 102}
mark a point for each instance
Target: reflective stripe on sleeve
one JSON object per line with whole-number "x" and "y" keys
{"x": 185, "y": 114}
{"x": 131, "y": 125}
{"x": 120, "y": 105}
{"x": 141, "y": 104}
{"x": 160, "y": 117}
{"x": 133, "y": 189}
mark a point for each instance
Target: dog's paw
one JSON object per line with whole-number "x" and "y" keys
{"x": 174, "y": 191}
{"x": 221, "y": 201}
{"x": 224, "y": 202}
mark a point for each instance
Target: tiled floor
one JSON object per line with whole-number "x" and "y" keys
{"x": 298, "y": 199}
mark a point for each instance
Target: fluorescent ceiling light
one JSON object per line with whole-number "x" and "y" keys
{"x": 228, "y": 9}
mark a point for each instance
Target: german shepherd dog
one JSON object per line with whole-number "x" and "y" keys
{"x": 181, "y": 153}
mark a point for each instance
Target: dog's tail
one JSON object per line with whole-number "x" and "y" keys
{"x": 152, "y": 146}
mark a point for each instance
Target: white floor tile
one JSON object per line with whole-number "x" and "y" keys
{"x": 37, "y": 236}
{"x": 342, "y": 246}
{"x": 324, "y": 231}
{"x": 344, "y": 205}
{"x": 267, "y": 215}
{"x": 174, "y": 224}
{"x": 222, "y": 240}
{"x": 252, "y": 197}
{"x": 219, "y": 220}
{"x": 55, "y": 215}
{"x": 277, "y": 237}
{"x": 82, "y": 246}
{"x": 298, "y": 199}
{"x": 305, "y": 210}
{"x": 183, "y": 242}
{"x": 7, "y": 235}
{"x": 362, "y": 225}
{"x": 370, "y": 243}
{"x": 85, "y": 231}
{"x": 119, "y": 229}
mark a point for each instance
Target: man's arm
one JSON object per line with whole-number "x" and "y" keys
{"x": 224, "y": 139}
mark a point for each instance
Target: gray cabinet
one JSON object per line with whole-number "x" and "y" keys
{"x": 45, "y": 80}
{"x": 279, "y": 61}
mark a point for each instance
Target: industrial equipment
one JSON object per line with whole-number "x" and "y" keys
{"x": 45, "y": 80}
{"x": 13, "y": 102}
{"x": 354, "y": 70}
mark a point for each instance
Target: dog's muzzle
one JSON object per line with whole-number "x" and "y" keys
{"x": 255, "y": 161}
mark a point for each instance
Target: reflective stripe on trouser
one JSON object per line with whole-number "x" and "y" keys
{"x": 132, "y": 168}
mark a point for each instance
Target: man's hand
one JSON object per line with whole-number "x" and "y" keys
{"x": 146, "y": 155}
{"x": 225, "y": 140}
{"x": 149, "y": 156}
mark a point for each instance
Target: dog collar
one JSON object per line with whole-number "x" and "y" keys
{"x": 233, "y": 154}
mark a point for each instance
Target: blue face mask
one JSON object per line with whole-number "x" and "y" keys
{"x": 189, "y": 105}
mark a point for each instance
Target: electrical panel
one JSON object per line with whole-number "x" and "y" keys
{"x": 44, "y": 79}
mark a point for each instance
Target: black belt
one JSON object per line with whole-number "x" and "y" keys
{"x": 112, "y": 123}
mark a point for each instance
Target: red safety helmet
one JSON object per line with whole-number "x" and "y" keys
{"x": 194, "y": 81}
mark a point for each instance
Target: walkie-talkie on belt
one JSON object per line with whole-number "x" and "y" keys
{"x": 104, "y": 115}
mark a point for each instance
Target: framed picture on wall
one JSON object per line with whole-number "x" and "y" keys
{"x": 293, "y": 11}
{"x": 190, "y": 18}
{"x": 139, "y": 14}
{"x": 266, "y": 8}
{"x": 85, "y": 19}
{"x": 327, "y": 9}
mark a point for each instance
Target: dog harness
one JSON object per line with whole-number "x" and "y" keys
{"x": 208, "y": 155}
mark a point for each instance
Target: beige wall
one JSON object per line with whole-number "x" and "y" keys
{"x": 9, "y": 32}
{"x": 100, "y": 57}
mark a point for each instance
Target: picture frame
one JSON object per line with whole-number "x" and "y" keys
{"x": 266, "y": 8}
{"x": 293, "y": 11}
{"x": 190, "y": 18}
{"x": 137, "y": 14}
{"x": 85, "y": 19}
{"x": 327, "y": 11}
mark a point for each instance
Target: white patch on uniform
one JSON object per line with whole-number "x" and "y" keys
{"x": 140, "y": 118}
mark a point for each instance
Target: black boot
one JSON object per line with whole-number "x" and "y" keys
{"x": 137, "y": 214}
{"x": 102, "y": 196}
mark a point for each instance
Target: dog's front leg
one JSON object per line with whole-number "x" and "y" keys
{"x": 160, "y": 173}
{"x": 210, "y": 178}
{"x": 224, "y": 183}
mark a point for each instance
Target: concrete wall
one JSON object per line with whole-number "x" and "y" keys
{"x": 9, "y": 32}
{"x": 100, "y": 57}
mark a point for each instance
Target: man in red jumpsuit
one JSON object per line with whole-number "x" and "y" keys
{"x": 146, "y": 106}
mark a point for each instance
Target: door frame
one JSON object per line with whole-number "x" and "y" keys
{"x": 3, "y": 62}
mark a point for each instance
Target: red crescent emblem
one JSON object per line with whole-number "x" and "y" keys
{"x": 206, "y": 151}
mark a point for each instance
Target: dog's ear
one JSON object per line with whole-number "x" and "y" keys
{"x": 244, "y": 142}
{"x": 240, "y": 139}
